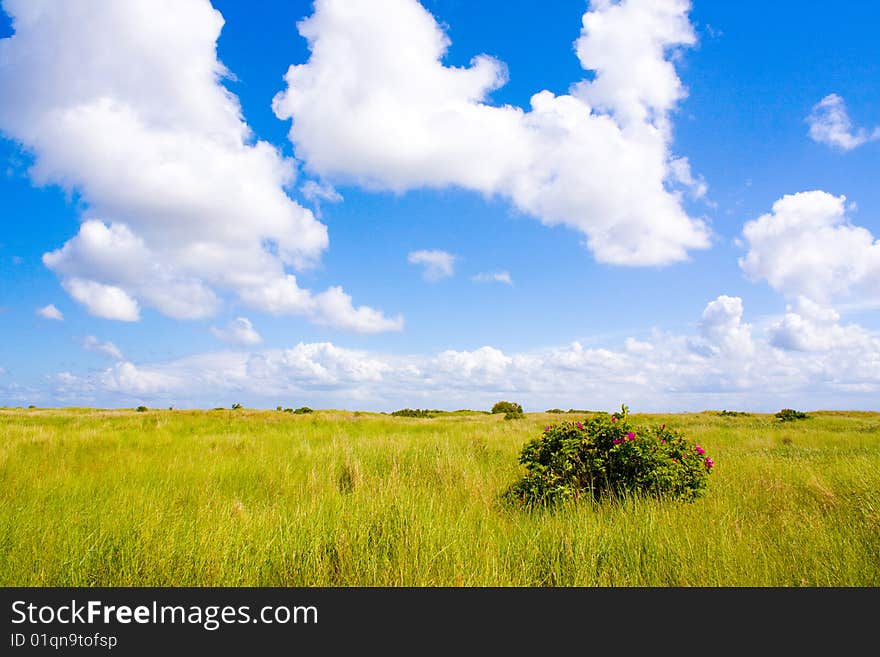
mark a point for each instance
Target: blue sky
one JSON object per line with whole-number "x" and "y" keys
{"x": 685, "y": 218}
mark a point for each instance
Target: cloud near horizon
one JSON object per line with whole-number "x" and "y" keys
{"x": 723, "y": 365}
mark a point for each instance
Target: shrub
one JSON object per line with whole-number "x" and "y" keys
{"x": 236, "y": 407}
{"x": 507, "y": 407}
{"x": 512, "y": 415}
{"x": 789, "y": 415}
{"x": 414, "y": 412}
{"x": 141, "y": 409}
{"x": 303, "y": 409}
{"x": 608, "y": 456}
{"x": 726, "y": 413}
{"x": 554, "y": 410}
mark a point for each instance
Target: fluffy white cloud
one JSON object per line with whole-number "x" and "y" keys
{"x": 124, "y": 104}
{"x": 127, "y": 378}
{"x": 239, "y": 331}
{"x": 626, "y": 43}
{"x": 733, "y": 369}
{"x": 493, "y": 277}
{"x": 91, "y": 343}
{"x": 830, "y": 124}
{"x": 50, "y": 312}
{"x": 438, "y": 264}
{"x": 107, "y": 301}
{"x": 806, "y": 247}
{"x": 114, "y": 253}
{"x": 807, "y": 326}
{"x": 484, "y": 366}
{"x": 333, "y": 307}
{"x": 722, "y": 329}
{"x": 375, "y": 105}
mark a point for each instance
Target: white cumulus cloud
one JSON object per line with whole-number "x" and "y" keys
{"x": 806, "y": 246}
{"x": 375, "y": 105}
{"x": 722, "y": 328}
{"x": 830, "y": 124}
{"x": 438, "y": 264}
{"x": 50, "y": 312}
{"x": 333, "y": 307}
{"x": 107, "y": 301}
{"x": 123, "y": 103}
{"x": 239, "y": 331}
{"x": 664, "y": 372}
{"x": 807, "y": 326}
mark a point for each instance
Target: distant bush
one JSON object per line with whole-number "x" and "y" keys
{"x": 734, "y": 414}
{"x": 513, "y": 415}
{"x": 303, "y": 409}
{"x": 507, "y": 407}
{"x": 434, "y": 412}
{"x": 789, "y": 415}
{"x": 288, "y": 410}
{"x": 278, "y": 408}
{"x": 415, "y": 412}
{"x": 141, "y": 409}
{"x": 554, "y": 410}
{"x": 609, "y": 456}
{"x": 32, "y": 405}
{"x": 236, "y": 407}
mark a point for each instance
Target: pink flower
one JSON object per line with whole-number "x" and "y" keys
{"x": 547, "y": 428}
{"x": 617, "y": 441}
{"x": 630, "y": 436}
{"x": 663, "y": 441}
{"x": 709, "y": 462}
{"x": 613, "y": 419}
{"x": 579, "y": 425}
{"x": 700, "y": 450}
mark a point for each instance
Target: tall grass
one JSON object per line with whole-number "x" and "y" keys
{"x": 262, "y": 498}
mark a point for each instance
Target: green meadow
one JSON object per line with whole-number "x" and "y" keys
{"x": 333, "y": 498}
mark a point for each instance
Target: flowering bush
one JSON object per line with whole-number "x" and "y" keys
{"x": 608, "y": 456}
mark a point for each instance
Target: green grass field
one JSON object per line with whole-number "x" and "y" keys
{"x": 265, "y": 498}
